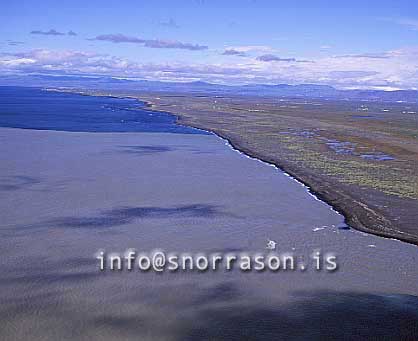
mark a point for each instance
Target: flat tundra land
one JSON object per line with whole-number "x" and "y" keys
{"x": 361, "y": 157}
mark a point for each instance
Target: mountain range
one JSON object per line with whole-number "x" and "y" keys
{"x": 199, "y": 87}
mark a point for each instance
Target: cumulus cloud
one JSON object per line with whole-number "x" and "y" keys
{"x": 398, "y": 71}
{"x": 274, "y": 58}
{"x": 44, "y": 56}
{"x": 71, "y": 33}
{"x": 152, "y": 43}
{"x": 234, "y": 52}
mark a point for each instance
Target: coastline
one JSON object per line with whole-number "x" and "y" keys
{"x": 356, "y": 217}
{"x": 357, "y": 214}
{"x": 114, "y": 200}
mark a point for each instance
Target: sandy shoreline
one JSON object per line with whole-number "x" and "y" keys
{"x": 357, "y": 214}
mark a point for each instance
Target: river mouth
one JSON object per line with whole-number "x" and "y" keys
{"x": 71, "y": 194}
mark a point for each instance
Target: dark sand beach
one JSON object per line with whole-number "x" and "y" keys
{"x": 73, "y": 193}
{"x": 364, "y": 165}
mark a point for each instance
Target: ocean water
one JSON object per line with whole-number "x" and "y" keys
{"x": 65, "y": 195}
{"x": 33, "y": 108}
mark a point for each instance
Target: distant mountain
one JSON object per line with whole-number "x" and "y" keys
{"x": 199, "y": 87}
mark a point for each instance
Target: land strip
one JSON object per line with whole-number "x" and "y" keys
{"x": 360, "y": 157}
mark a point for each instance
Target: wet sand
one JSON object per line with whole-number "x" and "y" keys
{"x": 65, "y": 195}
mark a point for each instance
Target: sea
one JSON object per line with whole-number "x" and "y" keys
{"x": 84, "y": 176}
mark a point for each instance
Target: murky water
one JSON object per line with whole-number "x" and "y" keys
{"x": 65, "y": 195}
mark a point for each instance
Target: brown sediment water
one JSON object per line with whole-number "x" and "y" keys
{"x": 64, "y": 196}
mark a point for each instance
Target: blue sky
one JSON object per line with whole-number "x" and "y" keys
{"x": 363, "y": 44}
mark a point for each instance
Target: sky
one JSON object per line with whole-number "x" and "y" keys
{"x": 346, "y": 44}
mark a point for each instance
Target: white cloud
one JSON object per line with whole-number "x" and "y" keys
{"x": 17, "y": 62}
{"x": 251, "y": 48}
{"x": 388, "y": 70}
{"x": 151, "y": 43}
